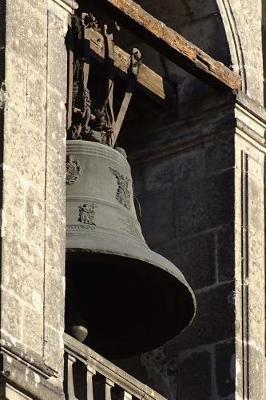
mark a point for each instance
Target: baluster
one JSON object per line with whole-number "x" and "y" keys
{"x": 127, "y": 396}
{"x": 90, "y": 373}
{"x": 70, "y": 378}
{"x": 108, "y": 389}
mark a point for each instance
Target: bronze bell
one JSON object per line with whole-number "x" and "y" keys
{"x": 122, "y": 298}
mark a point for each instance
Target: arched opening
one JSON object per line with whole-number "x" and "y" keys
{"x": 182, "y": 158}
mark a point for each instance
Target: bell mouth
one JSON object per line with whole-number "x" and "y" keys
{"x": 127, "y": 305}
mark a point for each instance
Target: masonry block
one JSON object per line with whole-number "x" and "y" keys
{"x": 201, "y": 205}
{"x": 33, "y": 206}
{"x": 27, "y": 39}
{"x": 194, "y": 377}
{"x": 225, "y": 253}
{"x": 195, "y": 256}
{"x": 225, "y": 368}
{"x": 213, "y": 321}
{"x": 158, "y": 217}
{"x": 32, "y": 332}
{"x": 12, "y": 317}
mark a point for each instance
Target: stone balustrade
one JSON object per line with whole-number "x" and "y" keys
{"x": 89, "y": 376}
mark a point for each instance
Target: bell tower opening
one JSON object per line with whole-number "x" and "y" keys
{"x": 117, "y": 287}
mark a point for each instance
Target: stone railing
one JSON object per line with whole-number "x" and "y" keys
{"x": 89, "y": 376}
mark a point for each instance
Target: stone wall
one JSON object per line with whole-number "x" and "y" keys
{"x": 250, "y": 250}
{"x": 187, "y": 175}
{"x": 194, "y": 187}
{"x": 33, "y": 96}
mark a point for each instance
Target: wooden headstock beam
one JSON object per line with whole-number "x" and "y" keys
{"x": 171, "y": 44}
{"x": 152, "y": 83}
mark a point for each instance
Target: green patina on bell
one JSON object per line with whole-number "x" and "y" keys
{"x": 122, "y": 298}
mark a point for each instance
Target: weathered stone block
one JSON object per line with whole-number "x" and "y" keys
{"x": 56, "y": 120}
{"x": 195, "y": 257}
{"x": 16, "y": 82}
{"x": 225, "y": 368}
{"x": 38, "y": 5}
{"x": 164, "y": 172}
{"x": 14, "y": 194}
{"x": 56, "y": 180}
{"x": 54, "y": 305}
{"x": 12, "y": 316}
{"x": 53, "y": 347}
{"x": 35, "y": 217}
{"x": 23, "y": 280}
{"x": 225, "y": 253}
{"x": 204, "y": 204}
{"x": 55, "y": 238}
{"x": 57, "y": 71}
{"x": 194, "y": 377}
{"x": 36, "y": 99}
{"x": 213, "y": 321}
{"x": 25, "y": 38}
{"x": 33, "y": 328}
{"x": 157, "y": 219}
{"x": 219, "y": 154}
{"x": 24, "y": 150}
{"x": 256, "y": 369}
{"x": 154, "y": 176}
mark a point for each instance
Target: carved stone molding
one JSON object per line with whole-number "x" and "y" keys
{"x": 234, "y": 41}
{"x": 251, "y": 121}
{"x": 250, "y": 240}
{"x": 68, "y": 5}
{"x": 17, "y": 376}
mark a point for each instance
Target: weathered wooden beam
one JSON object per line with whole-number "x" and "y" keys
{"x": 153, "y": 83}
{"x": 171, "y": 44}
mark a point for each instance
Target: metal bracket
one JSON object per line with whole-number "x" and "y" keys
{"x": 86, "y": 119}
{"x": 132, "y": 79}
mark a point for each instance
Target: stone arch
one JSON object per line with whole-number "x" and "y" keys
{"x": 233, "y": 39}
{"x": 244, "y": 26}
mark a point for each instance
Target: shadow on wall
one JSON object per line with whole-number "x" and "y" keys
{"x": 183, "y": 167}
{"x": 185, "y": 186}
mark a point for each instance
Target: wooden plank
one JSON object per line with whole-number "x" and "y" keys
{"x": 147, "y": 78}
{"x": 171, "y": 44}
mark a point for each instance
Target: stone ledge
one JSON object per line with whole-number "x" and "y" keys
{"x": 251, "y": 119}
{"x": 69, "y": 5}
{"x": 28, "y": 384}
{"x": 29, "y": 358}
{"x": 9, "y": 392}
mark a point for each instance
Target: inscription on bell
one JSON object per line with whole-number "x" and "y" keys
{"x": 87, "y": 214}
{"x": 122, "y": 193}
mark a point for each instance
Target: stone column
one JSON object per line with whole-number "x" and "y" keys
{"x": 32, "y": 119}
{"x": 250, "y": 147}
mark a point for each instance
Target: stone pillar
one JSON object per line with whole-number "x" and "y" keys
{"x": 32, "y": 107}
{"x": 250, "y": 250}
